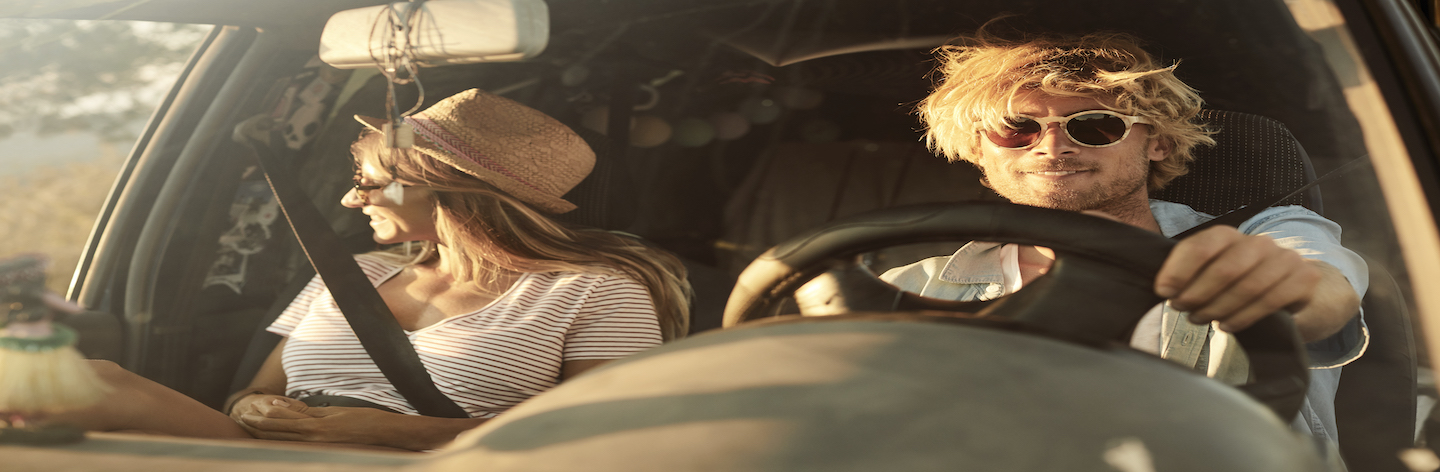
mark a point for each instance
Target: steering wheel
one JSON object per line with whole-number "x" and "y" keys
{"x": 1096, "y": 292}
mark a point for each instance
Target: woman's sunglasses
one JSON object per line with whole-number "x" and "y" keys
{"x": 394, "y": 190}
{"x": 1091, "y": 128}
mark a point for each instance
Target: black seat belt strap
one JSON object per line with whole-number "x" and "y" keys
{"x": 1237, "y": 217}
{"x": 369, "y": 317}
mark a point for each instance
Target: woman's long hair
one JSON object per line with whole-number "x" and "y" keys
{"x": 495, "y": 234}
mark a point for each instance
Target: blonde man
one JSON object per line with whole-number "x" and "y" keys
{"x": 1095, "y": 124}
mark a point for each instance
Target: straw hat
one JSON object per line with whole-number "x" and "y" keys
{"x": 518, "y": 149}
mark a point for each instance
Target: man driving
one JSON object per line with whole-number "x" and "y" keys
{"x": 1094, "y": 124}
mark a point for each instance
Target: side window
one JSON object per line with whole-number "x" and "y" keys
{"x": 73, "y": 100}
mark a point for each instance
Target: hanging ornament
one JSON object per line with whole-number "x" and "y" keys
{"x": 397, "y": 63}
{"x": 760, "y": 111}
{"x": 693, "y": 132}
{"x": 649, "y": 131}
{"x": 40, "y": 370}
{"x": 729, "y": 125}
{"x": 394, "y": 191}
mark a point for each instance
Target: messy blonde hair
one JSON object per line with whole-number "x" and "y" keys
{"x": 495, "y": 234}
{"x": 982, "y": 76}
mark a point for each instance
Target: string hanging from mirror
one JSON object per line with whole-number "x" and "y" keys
{"x": 395, "y": 58}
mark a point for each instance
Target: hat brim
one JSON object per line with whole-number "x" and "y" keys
{"x": 546, "y": 203}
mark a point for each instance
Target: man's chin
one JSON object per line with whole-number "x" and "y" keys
{"x": 1077, "y": 199}
{"x": 1054, "y": 203}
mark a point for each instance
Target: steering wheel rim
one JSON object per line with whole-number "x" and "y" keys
{"x": 1091, "y": 254}
{"x": 1097, "y": 290}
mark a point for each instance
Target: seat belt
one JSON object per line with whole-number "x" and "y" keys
{"x": 371, "y": 320}
{"x": 1240, "y": 215}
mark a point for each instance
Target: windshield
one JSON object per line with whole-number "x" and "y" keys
{"x": 724, "y": 129}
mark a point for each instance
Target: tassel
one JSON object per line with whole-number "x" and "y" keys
{"x": 40, "y": 370}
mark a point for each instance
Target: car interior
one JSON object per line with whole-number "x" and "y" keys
{"x": 751, "y": 122}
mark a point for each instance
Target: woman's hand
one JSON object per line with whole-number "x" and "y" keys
{"x": 295, "y": 421}
{"x": 265, "y": 406}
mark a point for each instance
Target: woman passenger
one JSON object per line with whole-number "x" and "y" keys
{"x": 500, "y": 301}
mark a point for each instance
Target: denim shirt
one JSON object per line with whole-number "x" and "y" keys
{"x": 974, "y": 273}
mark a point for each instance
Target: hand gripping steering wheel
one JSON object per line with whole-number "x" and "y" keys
{"x": 1099, "y": 287}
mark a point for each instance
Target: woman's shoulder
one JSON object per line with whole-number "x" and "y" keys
{"x": 596, "y": 280}
{"x": 598, "y": 275}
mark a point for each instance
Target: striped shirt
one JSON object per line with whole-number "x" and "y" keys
{"x": 488, "y": 360}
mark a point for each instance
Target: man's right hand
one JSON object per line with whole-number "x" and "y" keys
{"x": 1223, "y": 275}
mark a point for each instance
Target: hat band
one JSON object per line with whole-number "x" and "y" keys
{"x": 453, "y": 145}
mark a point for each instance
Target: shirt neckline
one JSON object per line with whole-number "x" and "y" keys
{"x": 503, "y": 294}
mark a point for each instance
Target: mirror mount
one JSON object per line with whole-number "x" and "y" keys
{"x": 440, "y": 32}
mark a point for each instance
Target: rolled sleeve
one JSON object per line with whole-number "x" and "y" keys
{"x": 1317, "y": 238}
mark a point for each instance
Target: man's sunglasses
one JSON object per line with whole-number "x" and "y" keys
{"x": 1090, "y": 128}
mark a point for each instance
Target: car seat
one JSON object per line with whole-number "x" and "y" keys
{"x": 606, "y": 198}
{"x": 801, "y": 185}
{"x": 1254, "y": 159}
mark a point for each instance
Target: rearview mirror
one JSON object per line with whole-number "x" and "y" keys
{"x": 442, "y": 32}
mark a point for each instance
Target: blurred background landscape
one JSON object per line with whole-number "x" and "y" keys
{"x": 73, "y": 99}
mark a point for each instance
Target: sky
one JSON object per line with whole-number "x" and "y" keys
{"x": 38, "y": 75}
{"x": 63, "y": 179}
{"x": 23, "y": 152}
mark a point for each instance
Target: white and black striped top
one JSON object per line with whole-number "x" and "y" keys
{"x": 488, "y": 360}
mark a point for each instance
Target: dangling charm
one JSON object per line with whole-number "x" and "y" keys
{"x": 395, "y": 192}
{"x": 40, "y": 370}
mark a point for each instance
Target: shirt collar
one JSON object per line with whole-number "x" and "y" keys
{"x": 1175, "y": 218}
{"x": 978, "y": 262}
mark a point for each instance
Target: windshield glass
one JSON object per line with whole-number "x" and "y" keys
{"x": 725, "y": 129}
{"x": 72, "y": 104}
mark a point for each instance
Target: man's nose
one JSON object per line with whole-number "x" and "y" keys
{"x": 1054, "y": 142}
